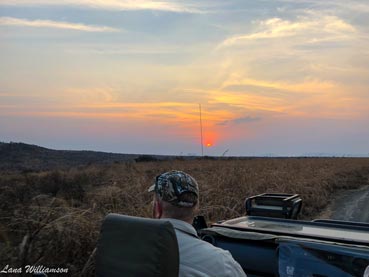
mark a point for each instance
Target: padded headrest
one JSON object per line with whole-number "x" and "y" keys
{"x": 134, "y": 246}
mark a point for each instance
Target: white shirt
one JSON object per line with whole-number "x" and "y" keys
{"x": 198, "y": 258}
{"x": 366, "y": 273}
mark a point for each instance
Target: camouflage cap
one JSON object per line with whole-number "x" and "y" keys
{"x": 171, "y": 185}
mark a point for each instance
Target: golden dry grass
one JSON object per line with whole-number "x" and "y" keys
{"x": 53, "y": 218}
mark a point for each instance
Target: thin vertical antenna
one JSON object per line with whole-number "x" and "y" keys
{"x": 202, "y": 145}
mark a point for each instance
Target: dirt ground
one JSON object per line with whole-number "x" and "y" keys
{"x": 351, "y": 205}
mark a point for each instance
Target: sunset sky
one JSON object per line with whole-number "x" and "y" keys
{"x": 278, "y": 77}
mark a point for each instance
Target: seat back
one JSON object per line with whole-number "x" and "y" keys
{"x": 133, "y": 246}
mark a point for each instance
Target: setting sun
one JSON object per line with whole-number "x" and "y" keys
{"x": 209, "y": 145}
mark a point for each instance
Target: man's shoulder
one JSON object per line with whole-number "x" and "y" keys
{"x": 187, "y": 239}
{"x": 200, "y": 256}
{"x": 197, "y": 249}
{"x": 230, "y": 266}
{"x": 222, "y": 254}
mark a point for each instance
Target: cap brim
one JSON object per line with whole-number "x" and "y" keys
{"x": 152, "y": 188}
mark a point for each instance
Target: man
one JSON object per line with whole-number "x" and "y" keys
{"x": 176, "y": 199}
{"x": 366, "y": 273}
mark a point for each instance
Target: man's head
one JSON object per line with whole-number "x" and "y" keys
{"x": 176, "y": 195}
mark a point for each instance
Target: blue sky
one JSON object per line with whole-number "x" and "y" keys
{"x": 282, "y": 77}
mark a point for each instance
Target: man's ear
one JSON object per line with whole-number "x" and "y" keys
{"x": 196, "y": 208}
{"x": 158, "y": 209}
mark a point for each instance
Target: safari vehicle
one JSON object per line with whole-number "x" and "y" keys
{"x": 268, "y": 241}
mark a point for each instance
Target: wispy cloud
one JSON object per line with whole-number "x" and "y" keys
{"x": 129, "y": 49}
{"x": 38, "y": 23}
{"x": 357, "y": 6}
{"x": 165, "y": 112}
{"x": 310, "y": 28}
{"x": 240, "y": 120}
{"x": 169, "y": 6}
{"x": 307, "y": 86}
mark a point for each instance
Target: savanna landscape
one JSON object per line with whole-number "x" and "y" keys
{"x": 53, "y": 216}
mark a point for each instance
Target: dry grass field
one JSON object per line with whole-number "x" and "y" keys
{"x": 53, "y": 218}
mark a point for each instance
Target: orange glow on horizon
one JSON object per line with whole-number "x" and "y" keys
{"x": 211, "y": 136}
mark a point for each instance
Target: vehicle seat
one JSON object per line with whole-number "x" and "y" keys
{"x": 134, "y": 246}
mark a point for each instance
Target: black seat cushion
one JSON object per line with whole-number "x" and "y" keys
{"x": 134, "y": 246}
